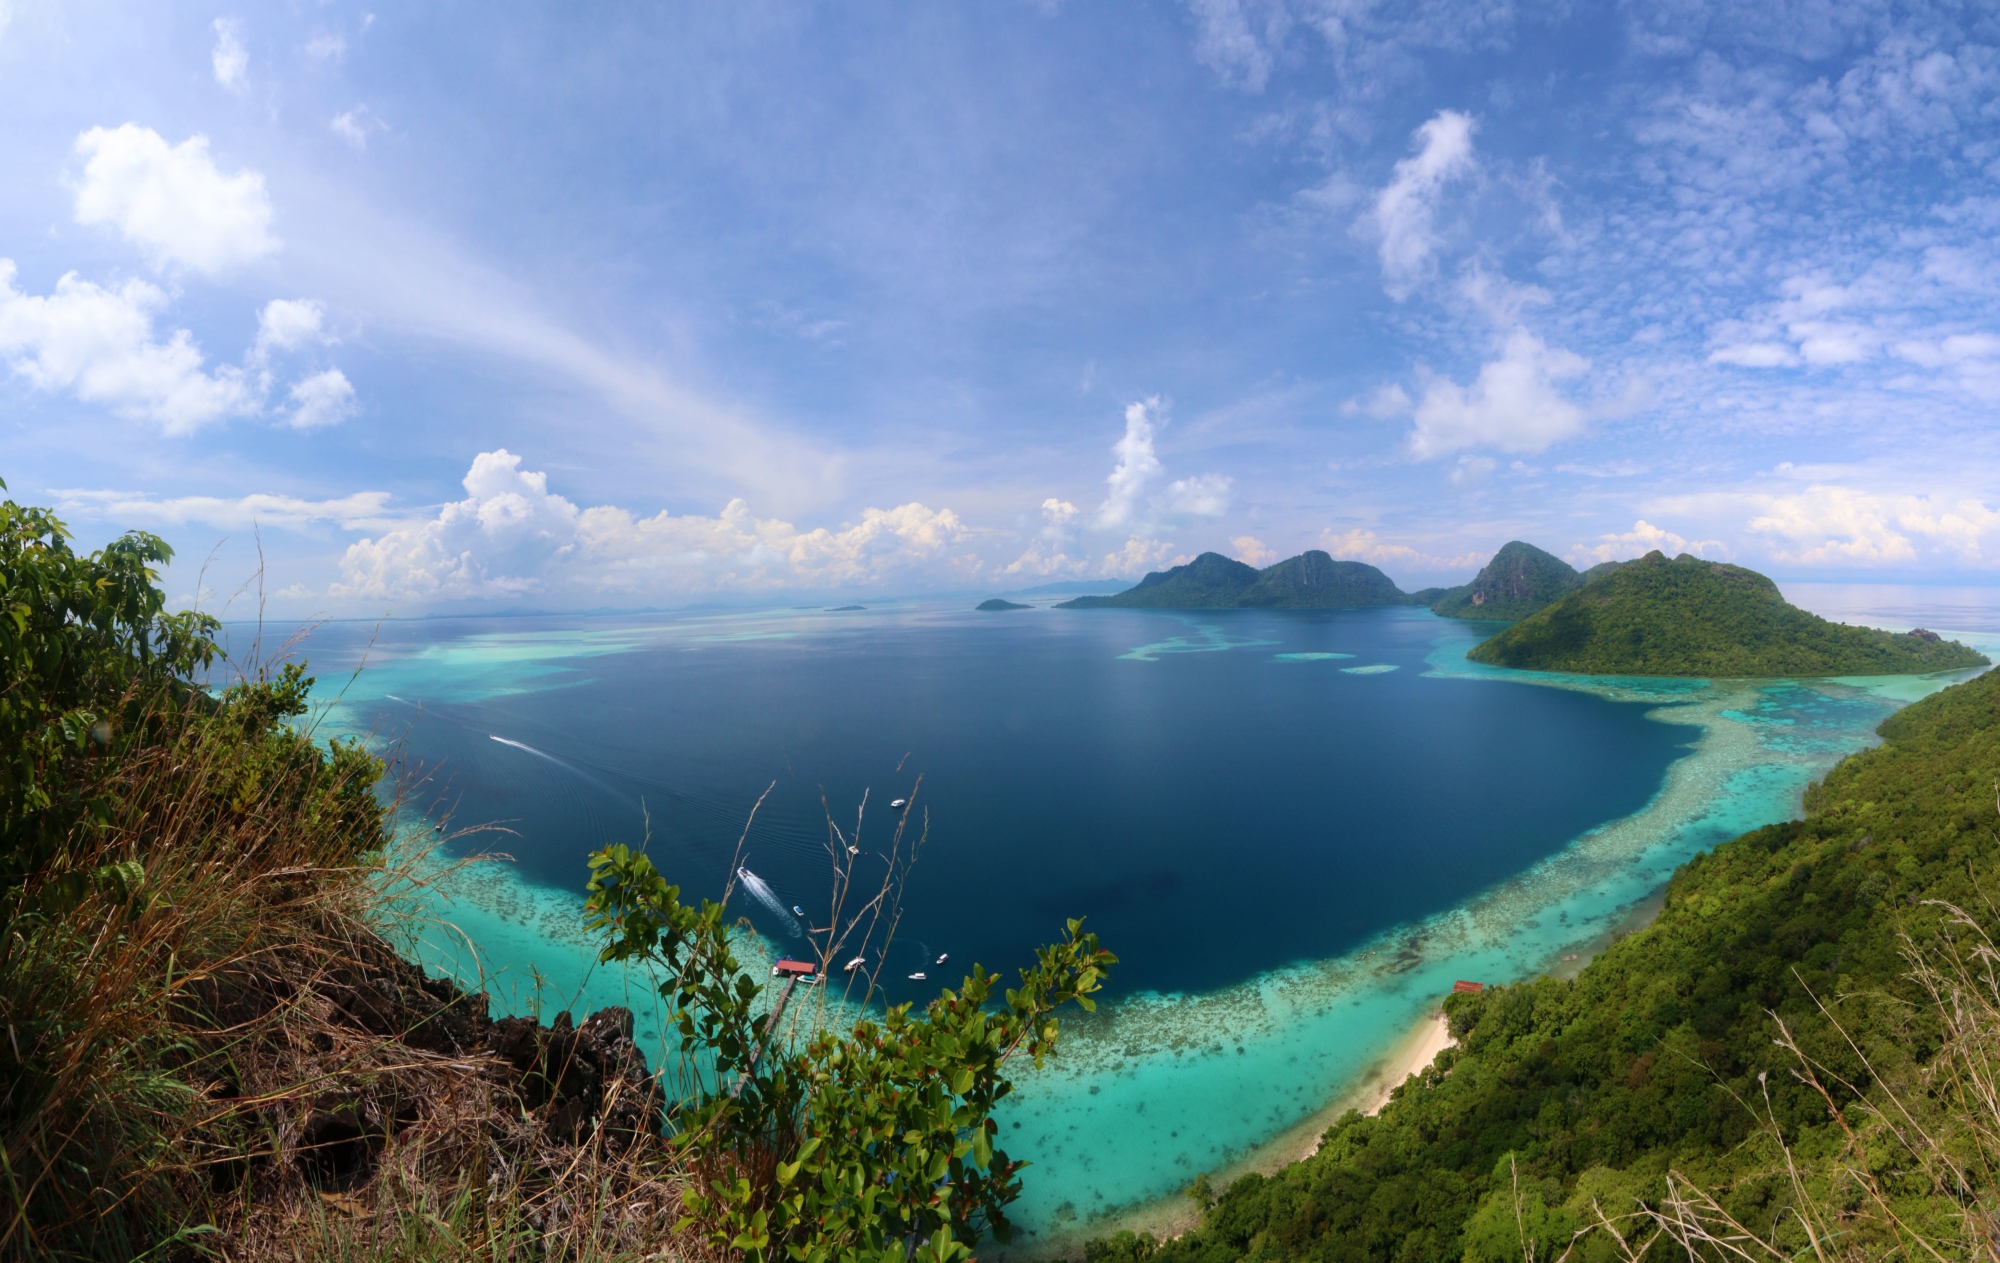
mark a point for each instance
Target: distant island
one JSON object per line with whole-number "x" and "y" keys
{"x": 1690, "y": 617}
{"x": 1653, "y": 616}
{"x": 998, "y": 603}
{"x": 1310, "y": 581}
{"x": 844, "y": 609}
{"x": 1519, "y": 580}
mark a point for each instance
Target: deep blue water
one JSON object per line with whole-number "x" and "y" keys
{"x": 1215, "y": 808}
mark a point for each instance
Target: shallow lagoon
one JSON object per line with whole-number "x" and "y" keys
{"x": 1294, "y": 859}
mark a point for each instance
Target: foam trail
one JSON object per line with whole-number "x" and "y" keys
{"x": 766, "y": 896}
{"x": 566, "y": 766}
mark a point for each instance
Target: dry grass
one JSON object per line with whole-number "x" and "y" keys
{"x": 215, "y": 1053}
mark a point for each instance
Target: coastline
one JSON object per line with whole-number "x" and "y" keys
{"x": 1411, "y": 1054}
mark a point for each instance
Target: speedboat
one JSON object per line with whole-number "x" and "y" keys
{"x": 744, "y": 873}
{"x": 899, "y": 803}
{"x": 797, "y": 911}
{"x": 941, "y": 959}
{"x": 854, "y": 964}
{"x": 854, "y": 850}
{"x": 917, "y": 976}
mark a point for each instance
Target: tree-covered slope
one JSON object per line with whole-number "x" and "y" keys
{"x": 1312, "y": 580}
{"x": 1691, "y": 617}
{"x": 1315, "y": 581}
{"x": 1566, "y": 1096}
{"x": 1519, "y": 580}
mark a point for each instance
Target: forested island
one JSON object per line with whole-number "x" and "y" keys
{"x": 1652, "y": 616}
{"x": 998, "y": 603}
{"x": 1690, "y": 617}
{"x": 1793, "y": 1052}
{"x": 1310, "y": 581}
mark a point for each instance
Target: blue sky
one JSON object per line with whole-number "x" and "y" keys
{"x": 498, "y": 305}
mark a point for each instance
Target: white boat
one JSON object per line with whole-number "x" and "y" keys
{"x": 941, "y": 959}
{"x": 854, "y": 964}
{"x": 854, "y": 850}
{"x": 917, "y": 976}
{"x": 744, "y": 873}
{"x": 797, "y": 911}
{"x": 899, "y": 803}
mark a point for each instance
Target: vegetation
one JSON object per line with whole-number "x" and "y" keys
{"x": 1793, "y": 1061}
{"x": 1310, "y": 581}
{"x": 1689, "y": 617}
{"x": 211, "y": 1049}
{"x": 1519, "y": 580}
{"x": 1001, "y": 603}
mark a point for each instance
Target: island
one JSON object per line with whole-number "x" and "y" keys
{"x": 844, "y": 609}
{"x": 1692, "y": 617}
{"x": 1310, "y": 581}
{"x": 1520, "y": 580}
{"x": 1000, "y": 603}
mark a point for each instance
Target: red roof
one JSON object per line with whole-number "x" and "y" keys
{"x": 794, "y": 968}
{"x": 1463, "y": 985}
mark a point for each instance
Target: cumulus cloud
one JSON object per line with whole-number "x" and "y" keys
{"x": 1643, "y": 538}
{"x": 99, "y": 345}
{"x": 171, "y": 200}
{"x": 1365, "y": 545}
{"x": 512, "y": 536}
{"x": 1252, "y": 551}
{"x": 1514, "y": 404}
{"x": 362, "y": 511}
{"x": 1404, "y": 210}
{"x": 1136, "y": 469}
{"x": 1139, "y": 555}
{"x": 230, "y": 60}
{"x": 286, "y": 324}
{"x": 1131, "y": 500}
{"x": 323, "y": 399}
{"x": 1833, "y": 525}
{"x": 1048, "y": 554}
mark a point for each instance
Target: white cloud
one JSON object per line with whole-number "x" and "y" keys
{"x": 1643, "y": 538}
{"x": 231, "y": 60}
{"x": 1405, "y": 209}
{"x": 1205, "y": 495}
{"x": 1514, "y": 404}
{"x": 1136, "y": 469}
{"x": 325, "y": 398}
{"x": 1234, "y": 38}
{"x": 511, "y": 536}
{"x": 1365, "y": 545}
{"x": 1832, "y": 525}
{"x": 1048, "y": 553}
{"x": 355, "y": 125}
{"x": 171, "y": 200}
{"x": 326, "y": 46}
{"x": 362, "y": 511}
{"x": 98, "y": 344}
{"x": 286, "y": 324}
{"x": 1139, "y": 555}
{"x": 1252, "y": 551}
{"x": 1388, "y": 401}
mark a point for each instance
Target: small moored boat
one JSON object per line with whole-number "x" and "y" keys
{"x": 854, "y": 964}
{"x": 899, "y": 803}
{"x": 917, "y": 976}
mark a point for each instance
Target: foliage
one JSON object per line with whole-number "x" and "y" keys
{"x": 142, "y": 821}
{"x": 994, "y": 604}
{"x": 1567, "y": 1100}
{"x": 1519, "y": 580}
{"x": 90, "y": 661}
{"x": 853, "y": 1143}
{"x": 1689, "y": 617}
{"x": 1311, "y": 581}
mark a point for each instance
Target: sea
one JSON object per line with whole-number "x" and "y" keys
{"x": 1296, "y": 829}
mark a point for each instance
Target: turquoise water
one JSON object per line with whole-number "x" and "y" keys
{"x": 1297, "y": 859}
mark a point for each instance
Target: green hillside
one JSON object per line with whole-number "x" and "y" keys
{"x": 1519, "y": 580}
{"x": 1690, "y": 617}
{"x": 1566, "y": 1097}
{"x": 1311, "y": 581}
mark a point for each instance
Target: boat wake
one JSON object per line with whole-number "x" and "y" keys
{"x": 762, "y": 893}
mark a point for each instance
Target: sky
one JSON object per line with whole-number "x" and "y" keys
{"x": 448, "y": 307}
